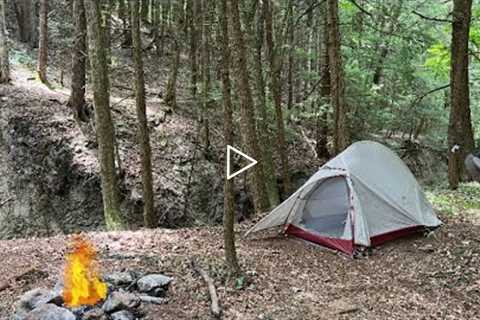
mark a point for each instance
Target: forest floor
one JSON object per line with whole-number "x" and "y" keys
{"x": 433, "y": 277}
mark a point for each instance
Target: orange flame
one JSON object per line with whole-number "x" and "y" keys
{"x": 82, "y": 285}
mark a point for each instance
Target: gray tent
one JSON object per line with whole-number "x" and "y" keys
{"x": 363, "y": 197}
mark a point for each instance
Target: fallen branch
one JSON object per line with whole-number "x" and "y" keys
{"x": 154, "y": 300}
{"x": 214, "y": 306}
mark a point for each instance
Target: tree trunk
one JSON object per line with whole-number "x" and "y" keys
{"x": 143, "y": 11}
{"x": 275, "y": 87}
{"x": 194, "y": 10}
{"x": 206, "y": 78}
{"x": 103, "y": 117}
{"x": 337, "y": 88}
{"x": 228, "y": 187}
{"x": 171, "y": 94}
{"x": 249, "y": 133}
{"x": 460, "y": 132}
{"x": 149, "y": 218}
{"x": 264, "y": 132}
{"x": 79, "y": 58}
{"x": 324, "y": 101}
{"x": 25, "y": 12}
{"x": 43, "y": 42}
{"x": 127, "y": 30}
{"x": 4, "y": 63}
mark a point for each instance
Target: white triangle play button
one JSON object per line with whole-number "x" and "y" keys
{"x": 252, "y": 162}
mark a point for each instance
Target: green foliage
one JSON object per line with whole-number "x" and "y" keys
{"x": 438, "y": 60}
{"x": 464, "y": 200}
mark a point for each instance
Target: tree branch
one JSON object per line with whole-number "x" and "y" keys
{"x": 420, "y": 98}
{"x": 362, "y": 9}
{"x": 431, "y": 18}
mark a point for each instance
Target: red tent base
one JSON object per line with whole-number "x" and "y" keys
{"x": 381, "y": 238}
{"x": 347, "y": 246}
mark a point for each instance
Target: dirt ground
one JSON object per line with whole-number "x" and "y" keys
{"x": 434, "y": 277}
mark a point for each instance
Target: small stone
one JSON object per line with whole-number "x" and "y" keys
{"x": 94, "y": 314}
{"x": 50, "y": 312}
{"x": 122, "y": 315}
{"x": 154, "y": 284}
{"x": 120, "y": 301}
{"x": 119, "y": 278}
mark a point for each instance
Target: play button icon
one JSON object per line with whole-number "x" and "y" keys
{"x": 251, "y": 161}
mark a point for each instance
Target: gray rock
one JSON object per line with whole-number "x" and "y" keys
{"x": 50, "y": 312}
{"x": 154, "y": 284}
{"x": 119, "y": 301}
{"x": 122, "y": 315}
{"x": 119, "y": 278}
{"x": 36, "y": 298}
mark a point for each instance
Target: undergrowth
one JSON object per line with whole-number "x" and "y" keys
{"x": 464, "y": 200}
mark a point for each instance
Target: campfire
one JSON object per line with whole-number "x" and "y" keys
{"x": 84, "y": 293}
{"x": 82, "y": 285}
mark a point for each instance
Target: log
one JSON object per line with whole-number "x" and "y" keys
{"x": 214, "y": 305}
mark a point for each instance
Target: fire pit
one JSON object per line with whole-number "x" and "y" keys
{"x": 83, "y": 294}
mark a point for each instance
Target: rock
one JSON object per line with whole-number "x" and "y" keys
{"x": 119, "y": 278}
{"x": 122, "y": 315}
{"x": 154, "y": 284}
{"x": 120, "y": 301}
{"x": 36, "y": 298}
{"x": 94, "y": 314}
{"x": 50, "y": 312}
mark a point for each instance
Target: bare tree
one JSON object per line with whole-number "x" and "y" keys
{"x": 228, "y": 187}
{"x": 43, "y": 42}
{"x": 4, "y": 63}
{"x": 103, "y": 116}
{"x": 460, "y": 132}
{"x": 337, "y": 86}
{"x": 274, "y": 60}
{"x": 149, "y": 218}
{"x": 249, "y": 132}
{"x": 79, "y": 58}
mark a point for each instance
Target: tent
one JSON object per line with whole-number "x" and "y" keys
{"x": 363, "y": 197}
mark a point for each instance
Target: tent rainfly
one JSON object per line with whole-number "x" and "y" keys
{"x": 363, "y": 197}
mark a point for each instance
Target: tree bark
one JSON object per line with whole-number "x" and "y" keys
{"x": 460, "y": 132}
{"x": 149, "y": 218}
{"x": 336, "y": 79}
{"x": 206, "y": 78}
{"x": 324, "y": 101}
{"x": 143, "y": 10}
{"x": 25, "y": 12}
{"x": 171, "y": 94}
{"x": 43, "y": 42}
{"x": 275, "y": 87}
{"x": 194, "y": 7}
{"x": 103, "y": 117}
{"x": 264, "y": 132}
{"x": 4, "y": 63}
{"x": 79, "y": 58}
{"x": 249, "y": 133}
{"x": 228, "y": 187}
